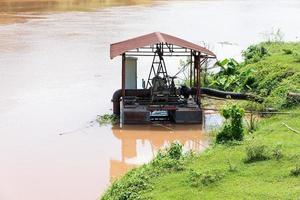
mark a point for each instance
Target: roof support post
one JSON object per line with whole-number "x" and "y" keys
{"x": 123, "y": 74}
{"x": 191, "y": 69}
{"x": 197, "y": 76}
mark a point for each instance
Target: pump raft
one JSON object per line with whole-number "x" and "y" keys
{"x": 159, "y": 99}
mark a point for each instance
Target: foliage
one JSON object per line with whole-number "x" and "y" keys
{"x": 233, "y": 127}
{"x": 265, "y": 180}
{"x": 226, "y": 78}
{"x": 295, "y": 171}
{"x": 196, "y": 179}
{"x": 135, "y": 182}
{"x": 270, "y": 70}
{"x": 254, "y": 53}
{"x": 106, "y": 119}
{"x": 256, "y": 152}
{"x": 231, "y": 166}
{"x": 277, "y": 152}
{"x": 252, "y": 123}
{"x": 287, "y": 51}
{"x": 170, "y": 158}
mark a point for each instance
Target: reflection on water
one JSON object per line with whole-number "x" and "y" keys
{"x": 140, "y": 143}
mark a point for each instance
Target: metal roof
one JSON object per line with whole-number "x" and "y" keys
{"x": 152, "y": 39}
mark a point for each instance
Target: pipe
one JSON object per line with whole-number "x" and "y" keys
{"x": 185, "y": 92}
{"x": 129, "y": 92}
{"x": 230, "y": 95}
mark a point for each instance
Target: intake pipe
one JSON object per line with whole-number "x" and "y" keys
{"x": 185, "y": 92}
{"x": 118, "y": 94}
{"x": 230, "y": 95}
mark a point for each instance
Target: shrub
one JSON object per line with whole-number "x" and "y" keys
{"x": 277, "y": 152}
{"x": 135, "y": 182}
{"x": 169, "y": 159}
{"x": 287, "y": 51}
{"x": 175, "y": 151}
{"x": 295, "y": 171}
{"x": 256, "y": 152}
{"x": 233, "y": 127}
{"x": 196, "y": 179}
{"x": 106, "y": 119}
{"x": 254, "y": 53}
{"x": 231, "y": 167}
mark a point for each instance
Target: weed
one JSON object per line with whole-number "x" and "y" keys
{"x": 287, "y": 51}
{"x": 233, "y": 127}
{"x": 252, "y": 123}
{"x": 277, "y": 152}
{"x": 106, "y": 119}
{"x": 231, "y": 166}
{"x": 175, "y": 151}
{"x": 196, "y": 179}
{"x": 254, "y": 53}
{"x": 256, "y": 152}
{"x": 135, "y": 182}
{"x": 295, "y": 171}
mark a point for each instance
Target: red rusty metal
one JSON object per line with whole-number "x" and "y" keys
{"x": 153, "y": 39}
{"x": 161, "y": 107}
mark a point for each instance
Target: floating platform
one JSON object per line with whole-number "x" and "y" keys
{"x": 143, "y": 114}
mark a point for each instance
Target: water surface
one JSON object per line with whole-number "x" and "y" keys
{"x": 56, "y": 77}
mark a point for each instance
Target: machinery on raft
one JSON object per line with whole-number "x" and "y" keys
{"x": 160, "y": 99}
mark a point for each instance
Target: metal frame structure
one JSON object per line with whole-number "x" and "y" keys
{"x": 161, "y": 50}
{"x": 160, "y": 97}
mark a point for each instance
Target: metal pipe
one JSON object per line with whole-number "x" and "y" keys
{"x": 118, "y": 94}
{"x": 193, "y": 91}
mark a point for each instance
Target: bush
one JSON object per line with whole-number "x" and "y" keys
{"x": 175, "y": 151}
{"x": 106, "y": 119}
{"x": 135, "y": 182}
{"x": 287, "y": 51}
{"x": 277, "y": 152}
{"x": 169, "y": 159}
{"x": 231, "y": 167}
{"x": 233, "y": 127}
{"x": 256, "y": 152}
{"x": 196, "y": 179}
{"x": 254, "y": 53}
{"x": 295, "y": 171}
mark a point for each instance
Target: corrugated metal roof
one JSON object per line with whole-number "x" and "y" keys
{"x": 152, "y": 39}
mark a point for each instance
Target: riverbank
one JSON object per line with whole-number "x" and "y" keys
{"x": 228, "y": 174}
{"x": 266, "y": 165}
{"x": 268, "y": 179}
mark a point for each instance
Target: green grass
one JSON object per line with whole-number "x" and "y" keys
{"x": 276, "y": 74}
{"x": 165, "y": 178}
{"x": 269, "y": 179}
{"x": 271, "y": 75}
{"x": 224, "y": 166}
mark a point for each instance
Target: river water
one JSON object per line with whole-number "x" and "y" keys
{"x": 56, "y": 77}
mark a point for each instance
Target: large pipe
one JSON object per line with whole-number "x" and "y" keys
{"x": 230, "y": 95}
{"x": 118, "y": 94}
{"x": 186, "y": 92}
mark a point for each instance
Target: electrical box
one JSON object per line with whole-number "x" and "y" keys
{"x": 131, "y": 73}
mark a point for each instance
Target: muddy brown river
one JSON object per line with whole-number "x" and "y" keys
{"x": 56, "y": 77}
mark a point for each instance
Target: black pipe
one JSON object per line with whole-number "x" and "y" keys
{"x": 118, "y": 94}
{"x": 230, "y": 95}
{"x": 185, "y": 92}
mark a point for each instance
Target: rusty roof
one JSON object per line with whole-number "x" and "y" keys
{"x": 152, "y": 39}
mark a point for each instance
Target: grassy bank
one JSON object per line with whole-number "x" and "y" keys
{"x": 223, "y": 171}
{"x": 265, "y": 165}
{"x": 270, "y": 70}
{"x": 267, "y": 179}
